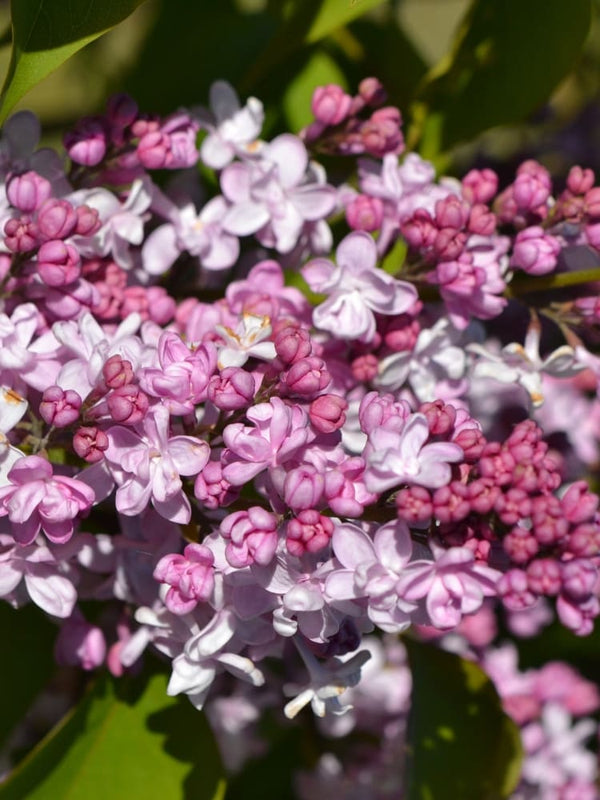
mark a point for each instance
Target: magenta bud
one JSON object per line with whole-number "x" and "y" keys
{"x": 86, "y": 144}
{"x": 580, "y": 181}
{"x": 309, "y": 532}
{"x": 233, "y": 389}
{"x": 58, "y": 263}
{"x": 292, "y": 343}
{"x": 451, "y": 212}
{"x": 365, "y": 367}
{"x": 481, "y": 220}
{"x": 90, "y": 443}
{"x": 58, "y": 407}
{"x": 88, "y": 221}
{"x": 153, "y": 150}
{"x": 327, "y": 413}
{"x": 161, "y": 306}
{"x": 56, "y": 219}
{"x": 117, "y": 372}
{"x": 364, "y": 213}
{"x": 330, "y": 104}
{"x": 382, "y": 133}
{"x": 307, "y": 376}
{"x": 28, "y": 191}
{"x": 544, "y": 576}
{"x": 479, "y": 186}
{"x": 128, "y": 404}
{"x": 21, "y": 235}
{"x": 372, "y": 92}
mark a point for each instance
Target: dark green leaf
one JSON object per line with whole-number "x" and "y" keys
{"x": 462, "y": 745}
{"x": 507, "y": 58}
{"x": 48, "y": 32}
{"x": 27, "y": 661}
{"x": 306, "y": 22}
{"x": 125, "y": 740}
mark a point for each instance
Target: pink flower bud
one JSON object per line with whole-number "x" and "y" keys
{"x": 520, "y": 545}
{"x": 535, "y": 251}
{"x": 308, "y": 532}
{"x": 292, "y": 344}
{"x": 482, "y": 221}
{"x": 365, "y": 367}
{"x": 330, "y": 104}
{"x": 28, "y": 191}
{"x": 153, "y": 150}
{"x": 21, "y": 235}
{"x": 161, "y": 306}
{"x": 419, "y": 230}
{"x": 544, "y": 576}
{"x": 90, "y": 443}
{"x": 592, "y": 203}
{"x": 58, "y": 407}
{"x": 190, "y": 577}
{"x": 117, "y": 372}
{"x": 414, "y": 504}
{"x": 401, "y": 333}
{"x": 513, "y": 588}
{"x": 372, "y": 92}
{"x": 211, "y": 488}
{"x": 531, "y": 187}
{"x": 128, "y": 404}
{"x": 440, "y": 417}
{"x": 251, "y": 537}
{"x": 364, "y": 213}
{"x": 303, "y": 487}
{"x": 580, "y": 181}
{"x": 479, "y": 186}
{"x": 86, "y": 144}
{"x": 88, "y": 221}
{"x": 327, "y": 413}
{"x": 56, "y": 219}
{"x": 451, "y": 212}
{"x": 306, "y": 377}
{"x": 58, "y": 263}
{"x": 234, "y": 388}
{"x": 579, "y": 578}
{"x": 381, "y": 134}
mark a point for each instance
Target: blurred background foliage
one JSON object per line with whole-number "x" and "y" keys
{"x": 485, "y": 79}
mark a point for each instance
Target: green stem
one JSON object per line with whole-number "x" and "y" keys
{"x": 557, "y": 281}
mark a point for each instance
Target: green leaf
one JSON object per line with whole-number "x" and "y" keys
{"x": 507, "y": 58}
{"x": 462, "y": 744}
{"x": 125, "y": 740}
{"x": 48, "y": 32}
{"x": 27, "y": 661}
{"x": 305, "y": 22}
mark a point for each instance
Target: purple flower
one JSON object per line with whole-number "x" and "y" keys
{"x": 37, "y": 499}
{"x": 148, "y": 468}
{"x": 396, "y": 457}
{"x": 276, "y": 196}
{"x": 371, "y": 568}
{"x": 356, "y": 289}
{"x": 452, "y": 585}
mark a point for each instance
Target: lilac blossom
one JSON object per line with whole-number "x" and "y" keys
{"x": 452, "y": 585}
{"x": 522, "y": 364}
{"x": 232, "y": 129}
{"x": 371, "y": 568}
{"x": 148, "y": 467}
{"x": 275, "y": 196}
{"x": 356, "y": 289}
{"x": 43, "y": 575}
{"x": 394, "y": 458}
{"x": 36, "y": 499}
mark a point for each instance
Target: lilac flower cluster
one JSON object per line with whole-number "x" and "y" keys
{"x": 257, "y": 470}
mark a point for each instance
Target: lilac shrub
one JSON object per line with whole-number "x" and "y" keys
{"x": 285, "y": 478}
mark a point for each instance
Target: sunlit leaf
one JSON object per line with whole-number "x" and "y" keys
{"x": 48, "y": 32}
{"x": 493, "y": 75}
{"x": 462, "y": 745}
{"x": 125, "y": 740}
